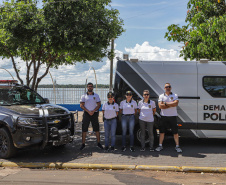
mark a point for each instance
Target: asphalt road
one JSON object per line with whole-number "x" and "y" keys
{"x": 26, "y": 176}
{"x": 20, "y": 176}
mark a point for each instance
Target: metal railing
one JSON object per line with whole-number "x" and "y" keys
{"x": 69, "y": 95}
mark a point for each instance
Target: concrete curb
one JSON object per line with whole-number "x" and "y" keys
{"x": 61, "y": 165}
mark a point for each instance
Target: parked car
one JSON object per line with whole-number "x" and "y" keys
{"x": 27, "y": 120}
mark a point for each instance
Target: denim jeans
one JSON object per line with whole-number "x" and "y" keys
{"x": 128, "y": 120}
{"x": 149, "y": 126}
{"x": 110, "y": 129}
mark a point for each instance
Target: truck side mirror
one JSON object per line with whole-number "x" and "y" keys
{"x": 46, "y": 100}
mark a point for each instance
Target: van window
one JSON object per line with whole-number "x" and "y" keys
{"x": 215, "y": 86}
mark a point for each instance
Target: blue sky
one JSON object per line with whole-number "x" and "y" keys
{"x": 145, "y": 21}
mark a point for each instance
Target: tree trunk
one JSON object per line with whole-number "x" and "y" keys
{"x": 16, "y": 70}
{"x": 36, "y": 70}
{"x": 41, "y": 77}
{"x": 28, "y": 79}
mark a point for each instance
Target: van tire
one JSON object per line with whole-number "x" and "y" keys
{"x": 137, "y": 135}
{"x": 137, "y": 138}
{"x": 7, "y": 148}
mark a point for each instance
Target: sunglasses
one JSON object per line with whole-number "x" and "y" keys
{"x": 128, "y": 94}
{"x": 110, "y": 96}
{"x": 146, "y": 94}
{"x": 90, "y": 86}
{"x": 168, "y": 87}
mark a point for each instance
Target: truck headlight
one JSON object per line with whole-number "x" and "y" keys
{"x": 26, "y": 122}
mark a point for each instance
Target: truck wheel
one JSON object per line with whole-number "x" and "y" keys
{"x": 7, "y": 148}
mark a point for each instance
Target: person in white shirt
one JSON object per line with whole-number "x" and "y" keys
{"x": 146, "y": 110}
{"x": 110, "y": 111}
{"x": 128, "y": 108}
{"x": 168, "y": 103}
{"x": 90, "y": 103}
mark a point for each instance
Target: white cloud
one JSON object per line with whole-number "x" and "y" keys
{"x": 148, "y": 52}
{"x": 117, "y": 5}
{"x": 77, "y": 74}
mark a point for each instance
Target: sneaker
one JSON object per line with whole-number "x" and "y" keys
{"x": 100, "y": 146}
{"x": 159, "y": 148}
{"x": 178, "y": 149}
{"x": 82, "y": 147}
{"x": 142, "y": 149}
{"x": 106, "y": 148}
{"x": 112, "y": 148}
{"x": 132, "y": 149}
{"x": 152, "y": 149}
{"x": 123, "y": 149}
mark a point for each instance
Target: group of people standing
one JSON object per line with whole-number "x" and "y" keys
{"x": 146, "y": 108}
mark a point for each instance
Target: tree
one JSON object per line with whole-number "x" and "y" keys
{"x": 205, "y": 34}
{"x": 61, "y": 32}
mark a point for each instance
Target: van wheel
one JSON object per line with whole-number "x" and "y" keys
{"x": 7, "y": 148}
{"x": 137, "y": 136}
{"x": 156, "y": 138}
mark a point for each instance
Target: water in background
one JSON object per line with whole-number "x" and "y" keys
{"x": 69, "y": 95}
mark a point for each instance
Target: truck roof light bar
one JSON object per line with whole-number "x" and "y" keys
{"x": 134, "y": 60}
{"x": 204, "y": 60}
{"x": 125, "y": 57}
{"x": 8, "y": 81}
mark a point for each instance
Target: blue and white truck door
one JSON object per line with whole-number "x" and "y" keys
{"x": 212, "y": 102}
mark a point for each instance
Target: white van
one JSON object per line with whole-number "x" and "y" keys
{"x": 201, "y": 87}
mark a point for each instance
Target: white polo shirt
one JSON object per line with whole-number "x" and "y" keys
{"x": 110, "y": 110}
{"x": 90, "y": 101}
{"x": 171, "y": 111}
{"x": 128, "y": 107}
{"x": 146, "y": 110}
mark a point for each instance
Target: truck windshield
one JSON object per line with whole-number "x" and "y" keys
{"x": 19, "y": 95}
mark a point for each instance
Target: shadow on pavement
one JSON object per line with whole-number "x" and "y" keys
{"x": 192, "y": 149}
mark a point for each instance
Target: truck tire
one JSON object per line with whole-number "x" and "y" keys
{"x": 7, "y": 149}
{"x": 137, "y": 135}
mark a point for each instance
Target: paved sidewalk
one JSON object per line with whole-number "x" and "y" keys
{"x": 196, "y": 152}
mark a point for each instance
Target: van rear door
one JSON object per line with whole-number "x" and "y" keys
{"x": 212, "y": 104}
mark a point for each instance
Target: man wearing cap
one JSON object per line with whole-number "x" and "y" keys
{"x": 90, "y": 103}
{"x": 168, "y": 103}
{"x": 128, "y": 108}
{"x": 110, "y": 112}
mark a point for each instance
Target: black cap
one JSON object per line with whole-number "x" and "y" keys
{"x": 128, "y": 92}
{"x": 110, "y": 94}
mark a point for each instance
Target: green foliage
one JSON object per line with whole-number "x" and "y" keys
{"x": 205, "y": 34}
{"x": 61, "y": 32}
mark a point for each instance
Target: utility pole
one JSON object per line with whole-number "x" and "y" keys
{"x": 111, "y": 65}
